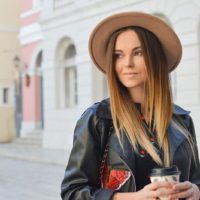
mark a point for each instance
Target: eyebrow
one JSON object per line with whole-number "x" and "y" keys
{"x": 135, "y": 48}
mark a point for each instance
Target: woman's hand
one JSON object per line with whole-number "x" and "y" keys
{"x": 151, "y": 191}
{"x": 186, "y": 190}
{"x": 155, "y": 190}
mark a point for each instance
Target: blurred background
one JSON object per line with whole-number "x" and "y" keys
{"x": 47, "y": 80}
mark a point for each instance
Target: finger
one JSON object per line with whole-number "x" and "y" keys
{"x": 190, "y": 198}
{"x": 184, "y": 194}
{"x": 182, "y": 186}
{"x": 156, "y": 185}
{"x": 163, "y": 192}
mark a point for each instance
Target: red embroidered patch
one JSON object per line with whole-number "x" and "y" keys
{"x": 118, "y": 178}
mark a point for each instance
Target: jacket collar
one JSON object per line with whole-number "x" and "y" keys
{"x": 175, "y": 140}
{"x": 179, "y": 111}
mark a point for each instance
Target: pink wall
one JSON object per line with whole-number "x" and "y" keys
{"x": 27, "y": 51}
{"x": 31, "y": 99}
{"x": 31, "y": 19}
{"x": 26, "y": 5}
{"x": 31, "y": 94}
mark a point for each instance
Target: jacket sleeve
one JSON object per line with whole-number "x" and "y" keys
{"x": 81, "y": 179}
{"x": 195, "y": 165}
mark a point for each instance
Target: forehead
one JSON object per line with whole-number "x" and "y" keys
{"x": 127, "y": 38}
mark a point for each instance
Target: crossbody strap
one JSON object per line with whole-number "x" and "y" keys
{"x": 105, "y": 155}
{"x": 103, "y": 163}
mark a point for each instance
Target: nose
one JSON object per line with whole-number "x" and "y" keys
{"x": 128, "y": 62}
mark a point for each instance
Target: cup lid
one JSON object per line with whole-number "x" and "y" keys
{"x": 165, "y": 171}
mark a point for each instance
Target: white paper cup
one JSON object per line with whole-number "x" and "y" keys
{"x": 168, "y": 174}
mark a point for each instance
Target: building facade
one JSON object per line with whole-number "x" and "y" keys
{"x": 71, "y": 83}
{"x": 32, "y": 55}
{"x": 9, "y": 76}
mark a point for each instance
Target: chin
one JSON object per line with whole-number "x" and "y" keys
{"x": 132, "y": 85}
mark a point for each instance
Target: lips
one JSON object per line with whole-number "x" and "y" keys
{"x": 130, "y": 74}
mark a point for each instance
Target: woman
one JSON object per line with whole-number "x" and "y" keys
{"x": 119, "y": 140}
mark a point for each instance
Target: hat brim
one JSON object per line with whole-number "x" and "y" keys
{"x": 102, "y": 32}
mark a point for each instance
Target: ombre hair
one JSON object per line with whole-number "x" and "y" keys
{"x": 158, "y": 97}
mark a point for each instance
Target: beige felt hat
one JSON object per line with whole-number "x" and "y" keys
{"x": 102, "y": 32}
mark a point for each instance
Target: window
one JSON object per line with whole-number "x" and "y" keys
{"x": 71, "y": 94}
{"x": 71, "y": 97}
{"x": 5, "y": 96}
{"x": 66, "y": 76}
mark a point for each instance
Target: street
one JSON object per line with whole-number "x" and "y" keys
{"x": 25, "y": 180}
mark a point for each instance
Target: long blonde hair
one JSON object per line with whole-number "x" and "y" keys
{"x": 158, "y": 97}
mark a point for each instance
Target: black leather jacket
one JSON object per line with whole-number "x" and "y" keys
{"x": 81, "y": 180}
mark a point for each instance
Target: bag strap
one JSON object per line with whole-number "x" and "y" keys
{"x": 103, "y": 164}
{"x": 105, "y": 155}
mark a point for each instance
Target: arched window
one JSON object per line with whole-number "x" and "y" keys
{"x": 66, "y": 75}
{"x": 39, "y": 59}
{"x": 70, "y": 76}
{"x": 38, "y": 67}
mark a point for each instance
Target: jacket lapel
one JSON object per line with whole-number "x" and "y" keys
{"x": 175, "y": 140}
{"x": 127, "y": 153}
{"x": 175, "y": 136}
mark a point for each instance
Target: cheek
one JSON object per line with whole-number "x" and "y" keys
{"x": 117, "y": 69}
{"x": 144, "y": 73}
{"x": 143, "y": 69}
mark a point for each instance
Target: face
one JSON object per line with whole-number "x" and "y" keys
{"x": 130, "y": 66}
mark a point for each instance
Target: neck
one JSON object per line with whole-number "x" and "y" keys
{"x": 138, "y": 96}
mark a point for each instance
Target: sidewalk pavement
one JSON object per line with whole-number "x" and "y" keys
{"x": 31, "y": 172}
{"x": 34, "y": 154}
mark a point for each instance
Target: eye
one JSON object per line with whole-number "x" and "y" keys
{"x": 118, "y": 55}
{"x": 138, "y": 53}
